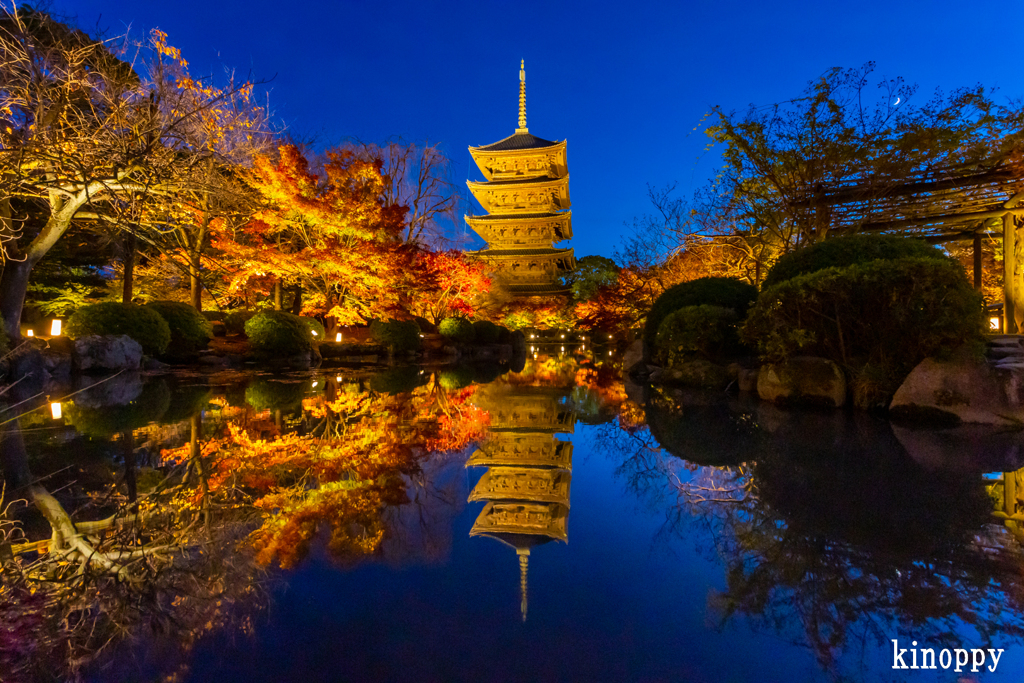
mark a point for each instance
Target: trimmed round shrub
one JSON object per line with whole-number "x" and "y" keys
{"x": 486, "y": 332}
{"x": 712, "y": 291}
{"x": 840, "y": 252}
{"x": 692, "y": 332}
{"x": 398, "y": 335}
{"x": 276, "y": 333}
{"x": 214, "y": 315}
{"x": 235, "y": 321}
{"x": 316, "y": 328}
{"x": 190, "y": 331}
{"x": 889, "y": 315}
{"x": 142, "y": 324}
{"x": 457, "y": 330}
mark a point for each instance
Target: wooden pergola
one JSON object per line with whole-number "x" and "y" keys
{"x": 942, "y": 205}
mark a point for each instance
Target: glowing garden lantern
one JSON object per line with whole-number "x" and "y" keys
{"x": 337, "y": 337}
{"x": 30, "y": 333}
{"x": 55, "y": 328}
{"x": 55, "y": 411}
{"x": 993, "y": 323}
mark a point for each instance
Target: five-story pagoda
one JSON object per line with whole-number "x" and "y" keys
{"x": 526, "y": 197}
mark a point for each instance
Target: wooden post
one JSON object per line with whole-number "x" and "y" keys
{"x": 1009, "y": 277}
{"x": 1010, "y": 493}
{"x": 977, "y": 261}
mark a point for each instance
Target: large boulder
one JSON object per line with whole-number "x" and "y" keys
{"x": 96, "y": 353}
{"x": 960, "y": 390}
{"x": 803, "y": 380}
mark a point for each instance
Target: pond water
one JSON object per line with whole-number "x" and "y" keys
{"x": 483, "y": 524}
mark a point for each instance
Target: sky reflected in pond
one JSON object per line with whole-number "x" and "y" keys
{"x": 476, "y": 523}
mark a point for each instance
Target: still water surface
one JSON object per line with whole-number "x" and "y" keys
{"x": 481, "y": 524}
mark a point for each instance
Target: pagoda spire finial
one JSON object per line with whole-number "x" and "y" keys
{"x": 522, "y": 98}
{"x": 524, "y": 563}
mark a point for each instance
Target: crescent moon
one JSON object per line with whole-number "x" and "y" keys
{"x": 896, "y": 102}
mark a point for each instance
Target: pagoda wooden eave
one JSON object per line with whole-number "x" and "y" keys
{"x": 514, "y": 163}
{"x": 542, "y": 195}
{"x": 515, "y": 229}
{"x": 541, "y": 519}
{"x": 532, "y": 484}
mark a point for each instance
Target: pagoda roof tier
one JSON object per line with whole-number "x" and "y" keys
{"x": 528, "y": 484}
{"x": 529, "y": 519}
{"x": 517, "y": 141}
{"x": 516, "y": 253}
{"x": 522, "y": 197}
{"x": 511, "y": 230}
{"x": 521, "y": 290}
{"x": 521, "y": 162}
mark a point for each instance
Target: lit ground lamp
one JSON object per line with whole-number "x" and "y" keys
{"x": 55, "y": 327}
{"x": 55, "y": 411}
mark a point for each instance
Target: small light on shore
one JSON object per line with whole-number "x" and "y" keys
{"x": 55, "y": 328}
{"x": 338, "y": 379}
{"x": 314, "y": 332}
{"x": 315, "y": 383}
{"x": 609, "y": 336}
{"x": 55, "y": 411}
{"x": 563, "y": 336}
{"x": 337, "y": 337}
{"x": 532, "y": 336}
{"x": 30, "y": 333}
{"x": 609, "y": 353}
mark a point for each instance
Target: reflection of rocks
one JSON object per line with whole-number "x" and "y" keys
{"x": 98, "y": 392}
{"x": 961, "y": 390}
{"x": 964, "y": 448}
{"x": 707, "y": 429}
{"x": 108, "y": 352}
{"x": 804, "y": 380}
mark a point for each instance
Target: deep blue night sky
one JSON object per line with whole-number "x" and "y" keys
{"x": 624, "y": 82}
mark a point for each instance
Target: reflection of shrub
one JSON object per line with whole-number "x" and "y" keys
{"x": 485, "y": 373}
{"x": 142, "y": 324}
{"x": 399, "y": 380}
{"x": 840, "y": 252}
{"x": 315, "y": 326}
{"x": 889, "y": 314}
{"x": 263, "y": 394}
{"x": 457, "y": 330}
{"x": 4, "y": 344}
{"x": 190, "y": 331}
{"x": 486, "y": 332}
{"x": 148, "y": 407}
{"x": 455, "y": 378}
{"x": 398, "y": 335}
{"x": 711, "y": 291}
{"x": 235, "y": 321}
{"x": 185, "y": 402}
{"x": 276, "y": 333}
{"x": 696, "y": 332}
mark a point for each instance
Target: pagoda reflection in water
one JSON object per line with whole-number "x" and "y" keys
{"x": 526, "y": 485}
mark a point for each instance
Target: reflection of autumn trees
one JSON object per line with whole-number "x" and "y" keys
{"x": 836, "y": 539}
{"x": 338, "y": 475}
{"x": 175, "y": 559}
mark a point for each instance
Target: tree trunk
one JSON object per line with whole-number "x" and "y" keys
{"x": 129, "y": 269}
{"x": 297, "y": 301}
{"x": 13, "y": 285}
{"x": 278, "y": 296}
{"x": 196, "y": 283}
